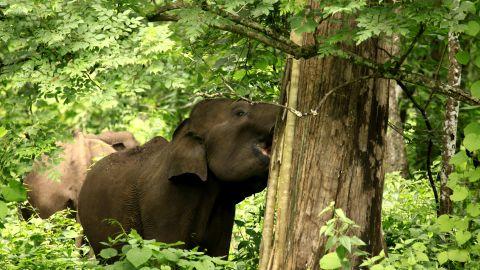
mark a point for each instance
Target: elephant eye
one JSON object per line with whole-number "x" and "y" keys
{"x": 240, "y": 113}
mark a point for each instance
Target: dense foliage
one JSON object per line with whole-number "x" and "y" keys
{"x": 118, "y": 65}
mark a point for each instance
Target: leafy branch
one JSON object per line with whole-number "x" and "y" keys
{"x": 254, "y": 30}
{"x": 242, "y": 26}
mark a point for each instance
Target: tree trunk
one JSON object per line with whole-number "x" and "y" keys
{"x": 449, "y": 125}
{"x": 336, "y": 156}
{"x": 396, "y": 157}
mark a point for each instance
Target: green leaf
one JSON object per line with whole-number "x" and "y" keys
{"x": 70, "y": 234}
{"x": 473, "y": 127}
{"x": 473, "y": 175}
{"x": 330, "y": 261}
{"x": 377, "y": 267}
{"x": 419, "y": 247}
{"x": 170, "y": 256}
{"x": 138, "y": 256}
{"x": 3, "y": 131}
{"x": 444, "y": 223}
{"x": 3, "y": 210}
{"x": 421, "y": 257}
{"x": 472, "y": 28}
{"x": 107, "y": 253}
{"x": 356, "y": 241}
{"x": 473, "y": 209}
{"x": 341, "y": 214}
{"x": 477, "y": 62}
{"x": 459, "y": 159}
{"x": 458, "y": 255}
{"x": 467, "y": 6}
{"x": 462, "y": 237}
{"x": 442, "y": 257}
{"x": 472, "y": 141}
{"x": 345, "y": 242}
{"x": 475, "y": 89}
{"x": 239, "y": 74}
{"x": 461, "y": 224}
{"x": 463, "y": 57}
{"x": 14, "y": 192}
{"x": 459, "y": 194}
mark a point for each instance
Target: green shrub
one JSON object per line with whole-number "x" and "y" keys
{"x": 408, "y": 207}
{"x": 41, "y": 243}
{"x": 247, "y": 232}
{"x": 138, "y": 253}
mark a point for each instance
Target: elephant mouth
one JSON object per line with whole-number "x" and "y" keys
{"x": 265, "y": 149}
{"x": 263, "y": 152}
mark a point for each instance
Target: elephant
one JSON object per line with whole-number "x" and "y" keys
{"x": 48, "y": 195}
{"x": 119, "y": 140}
{"x": 186, "y": 189}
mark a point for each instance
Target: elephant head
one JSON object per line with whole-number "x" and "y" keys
{"x": 226, "y": 140}
{"x": 119, "y": 140}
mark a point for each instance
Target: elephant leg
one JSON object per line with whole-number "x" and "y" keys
{"x": 80, "y": 240}
{"x": 219, "y": 229}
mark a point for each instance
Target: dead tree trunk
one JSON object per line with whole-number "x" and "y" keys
{"x": 449, "y": 125}
{"x": 335, "y": 156}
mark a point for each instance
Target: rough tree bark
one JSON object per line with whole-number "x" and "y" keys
{"x": 336, "y": 155}
{"x": 449, "y": 137}
{"x": 396, "y": 157}
{"x": 396, "y": 153}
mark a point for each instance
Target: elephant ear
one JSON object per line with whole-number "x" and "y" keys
{"x": 187, "y": 156}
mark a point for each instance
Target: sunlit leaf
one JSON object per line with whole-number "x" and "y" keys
{"x": 330, "y": 261}
{"x": 463, "y": 57}
{"x": 459, "y": 194}
{"x": 138, "y": 256}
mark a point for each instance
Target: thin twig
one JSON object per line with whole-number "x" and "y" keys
{"x": 437, "y": 71}
{"x": 402, "y": 59}
{"x": 435, "y": 77}
{"x": 430, "y": 142}
{"x": 399, "y": 131}
{"x": 97, "y": 84}
{"x": 385, "y": 51}
{"x": 250, "y": 24}
{"x": 333, "y": 90}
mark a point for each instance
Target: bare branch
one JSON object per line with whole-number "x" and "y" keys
{"x": 399, "y": 130}
{"x": 333, "y": 90}
{"x": 169, "y": 7}
{"x": 430, "y": 142}
{"x": 295, "y": 51}
{"x": 441, "y": 87}
{"x": 252, "y": 24}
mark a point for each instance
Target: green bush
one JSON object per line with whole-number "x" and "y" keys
{"x": 247, "y": 232}
{"x": 41, "y": 243}
{"x": 408, "y": 206}
{"x": 138, "y": 253}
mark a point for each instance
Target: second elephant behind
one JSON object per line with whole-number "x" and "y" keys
{"x": 48, "y": 195}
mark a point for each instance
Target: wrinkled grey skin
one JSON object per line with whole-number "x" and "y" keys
{"x": 183, "y": 190}
{"x": 49, "y": 195}
{"x": 119, "y": 140}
